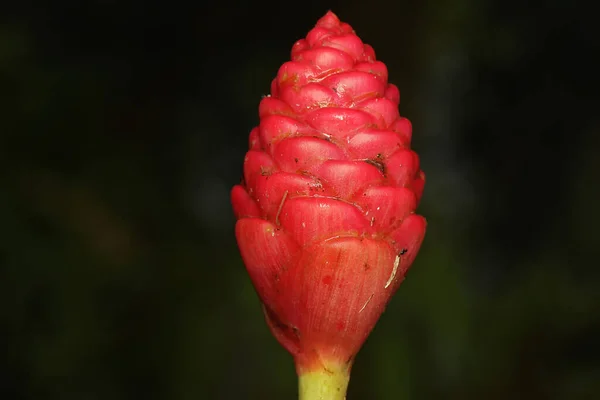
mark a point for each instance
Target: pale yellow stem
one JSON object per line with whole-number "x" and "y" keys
{"x": 324, "y": 384}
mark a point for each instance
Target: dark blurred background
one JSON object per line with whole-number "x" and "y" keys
{"x": 124, "y": 124}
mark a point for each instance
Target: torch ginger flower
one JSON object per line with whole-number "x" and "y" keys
{"x": 326, "y": 211}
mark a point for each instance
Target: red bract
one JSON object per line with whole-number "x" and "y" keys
{"x": 327, "y": 226}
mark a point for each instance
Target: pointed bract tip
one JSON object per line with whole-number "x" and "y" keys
{"x": 329, "y": 20}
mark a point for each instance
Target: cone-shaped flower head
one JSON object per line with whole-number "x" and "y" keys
{"x": 326, "y": 211}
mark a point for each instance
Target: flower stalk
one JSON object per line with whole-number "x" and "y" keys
{"x": 324, "y": 384}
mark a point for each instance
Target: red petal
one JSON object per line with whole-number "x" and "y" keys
{"x": 272, "y": 106}
{"x": 374, "y": 144}
{"x": 328, "y": 60}
{"x": 271, "y": 189}
{"x": 329, "y": 21}
{"x": 254, "y": 140}
{"x": 267, "y": 253}
{"x": 274, "y": 88}
{"x": 308, "y": 97}
{"x": 349, "y": 43}
{"x": 286, "y": 334}
{"x": 339, "y": 122}
{"x": 418, "y": 185}
{"x": 404, "y": 128}
{"x": 295, "y": 74}
{"x": 304, "y": 153}
{"x": 299, "y": 47}
{"x": 346, "y": 177}
{"x": 383, "y": 109}
{"x": 335, "y": 294}
{"x": 385, "y": 207}
{"x": 273, "y": 128}
{"x": 355, "y": 85}
{"x": 402, "y": 167}
{"x": 407, "y": 240}
{"x": 378, "y": 68}
{"x": 314, "y": 218}
{"x": 256, "y": 163}
{"x": 368, "y": 54}
{"x": 243, "y": 205}
{"x": 316, "y": 35}
{"x": 393, "y": 94}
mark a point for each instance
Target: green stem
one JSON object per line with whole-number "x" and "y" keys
{"x": 324, "y": 384}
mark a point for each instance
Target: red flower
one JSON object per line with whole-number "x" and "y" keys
{"x": 327, "y": 226}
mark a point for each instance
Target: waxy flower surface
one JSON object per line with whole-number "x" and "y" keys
{"x": 326, "y": 224}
